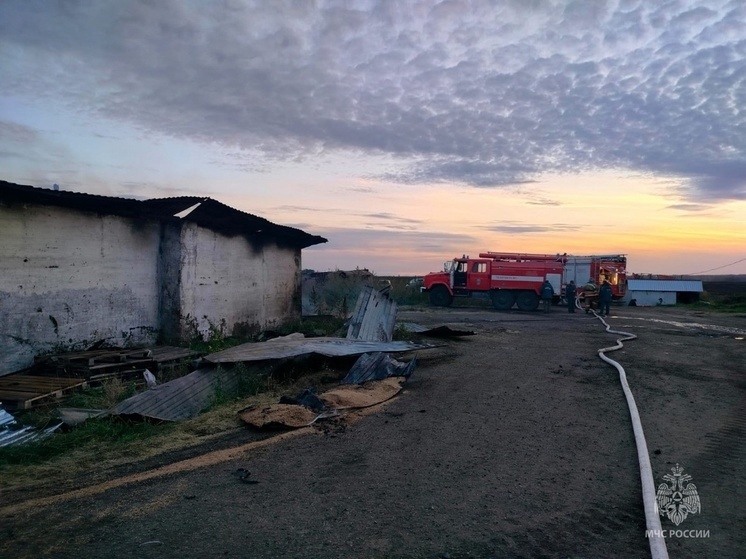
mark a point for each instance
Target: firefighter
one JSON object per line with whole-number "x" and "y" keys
{"x": 571, "y": 292}
{"x": 547, "y": 292}
{"x": 604, "y": 298}
{"x": 590, "y": 293}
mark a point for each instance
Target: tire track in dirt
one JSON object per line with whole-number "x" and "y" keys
{"x": 725, "y": 450}
{"x": 583, "y": 536}
{"x": 209, "y": 459}
{"x": 201, "y": 461}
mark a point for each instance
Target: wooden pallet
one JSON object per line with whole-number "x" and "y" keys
{"x": 165, "y": 354}
{"x": 99, "y": 365}
{"x": 19, "y": 391}
{"x": 83, "y": 360}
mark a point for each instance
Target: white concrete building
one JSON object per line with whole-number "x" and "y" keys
{"x": 76, "y": 269}
{"x": 652, "y": 292}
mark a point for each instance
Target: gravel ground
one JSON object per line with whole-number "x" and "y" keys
{"x": 514, "y": 443}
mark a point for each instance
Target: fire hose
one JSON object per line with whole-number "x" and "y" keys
{"x": 652, "y": 519}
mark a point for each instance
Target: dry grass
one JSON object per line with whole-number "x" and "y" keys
{"x": 94, "y": 458}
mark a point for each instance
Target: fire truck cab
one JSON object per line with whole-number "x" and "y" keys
{"x": 507, "y": 278}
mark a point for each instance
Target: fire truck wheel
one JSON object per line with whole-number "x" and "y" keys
{"x": 527, "y": 301}
{"x": 502, "y": 300}
{"x": 440, "y": 297}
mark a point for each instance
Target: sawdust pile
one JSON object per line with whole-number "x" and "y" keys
{"x": 362, "y": 395}
{"x": 286, "y": 415}
{"x": 348, "y": 397}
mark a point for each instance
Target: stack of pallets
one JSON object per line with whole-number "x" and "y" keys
{"x": 99, "y": 365}
{"x": 21, "y": 392}
{"x": 55, "y": 376}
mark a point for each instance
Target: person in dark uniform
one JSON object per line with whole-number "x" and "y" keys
{"x": 604, "y": 298}
{"x": 547, "y": 292}
{"x": 571, "y": 292}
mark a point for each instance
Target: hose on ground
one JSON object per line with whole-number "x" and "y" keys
{"x": 652, "y": 519}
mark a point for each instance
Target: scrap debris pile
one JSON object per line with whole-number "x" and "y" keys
{"x": 370, "y": 332}
{"x": 374, "y": 378}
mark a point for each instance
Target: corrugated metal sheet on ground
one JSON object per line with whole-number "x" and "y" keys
{"x": 181, "y": 398}
{"x": 6, "y": 418}
{"x": 378, "y": 366}
{"x": 10, "y": 435}
{"x": 691, "y": 286}
{"x": 374, "y": 317}
{"x": 281, "y": 348}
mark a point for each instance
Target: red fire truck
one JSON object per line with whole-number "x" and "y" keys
{"x": 510, "y": 278}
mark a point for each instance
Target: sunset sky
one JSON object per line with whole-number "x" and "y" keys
{"x": 405, "y": 131}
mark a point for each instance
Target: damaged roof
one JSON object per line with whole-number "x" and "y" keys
{"x": 209, "y": 213}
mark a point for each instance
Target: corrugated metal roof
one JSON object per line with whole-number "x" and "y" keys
{"x": 694, "y": 286}
{"x": 210, "y": 213}
{"x": 280, "y": 348}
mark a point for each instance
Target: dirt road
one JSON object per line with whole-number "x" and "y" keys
{"x": 514, "y": 443}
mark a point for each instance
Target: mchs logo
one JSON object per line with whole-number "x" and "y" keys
{"x": 678, "y": 498}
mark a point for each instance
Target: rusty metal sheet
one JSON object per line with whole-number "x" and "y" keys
{"x": 281, "y": 348}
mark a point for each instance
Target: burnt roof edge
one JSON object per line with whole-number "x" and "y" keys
{"x": 215, "y": 216}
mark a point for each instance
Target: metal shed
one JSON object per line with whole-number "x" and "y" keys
{"x": 651, "y": 292}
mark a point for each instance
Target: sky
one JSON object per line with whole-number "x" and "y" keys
{"x": 406, "y": 132}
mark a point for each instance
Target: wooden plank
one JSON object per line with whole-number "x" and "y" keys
{"x": 107, "y": 358}
{"x": 18, "y": 392}
{"x": 6, "y": 395}
{"x": 38, "y": 380}
{"x": 26, "y": 394}
{"x": 28, "y": 403}
{"x": 121, "y": 356}
{"x": 79, "y": 355}
{"x": 162, "y": 355}
{"x": 120, "y": 365}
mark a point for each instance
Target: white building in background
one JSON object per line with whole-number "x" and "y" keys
{"x": 652, "y": 292}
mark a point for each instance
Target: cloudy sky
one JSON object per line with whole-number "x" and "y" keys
{"x": 404, "y": 131}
